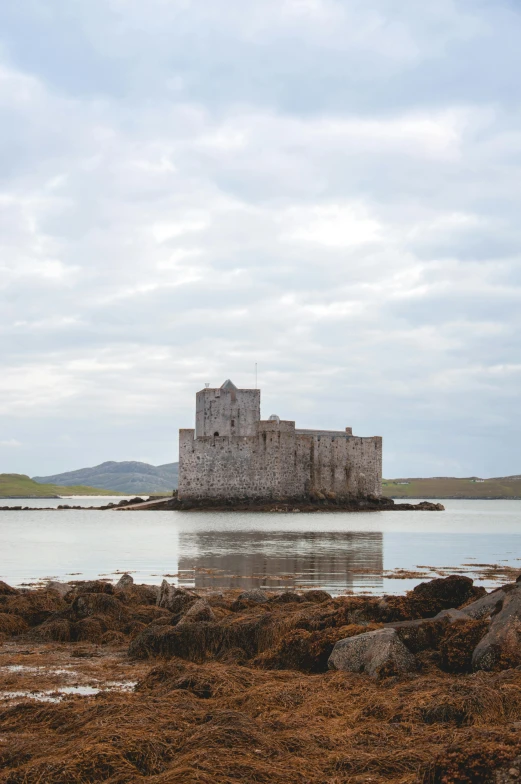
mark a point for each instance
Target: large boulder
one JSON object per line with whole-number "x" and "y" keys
{"x": 488, "y": 605}
{"x": 378, "y": 654}
{"x": 500, "y": 648}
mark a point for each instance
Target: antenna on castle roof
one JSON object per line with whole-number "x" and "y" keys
{"x": 255, "y": 375}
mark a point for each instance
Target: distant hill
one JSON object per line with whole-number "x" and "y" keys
{"x": 452, "y": 487}
{"x": 127, "y": 477}
{"x": 21, "y": 486}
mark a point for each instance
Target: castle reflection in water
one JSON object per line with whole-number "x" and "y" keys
{"x": 334, "y": 560}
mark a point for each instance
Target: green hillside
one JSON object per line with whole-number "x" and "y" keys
{"x": 19, "y": 485}
{"x": 451, "y": 487}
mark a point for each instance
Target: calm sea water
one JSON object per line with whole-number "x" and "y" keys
{"x": 336, "y": 551}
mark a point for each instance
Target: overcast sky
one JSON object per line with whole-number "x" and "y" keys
{"x": 329, "y": 188}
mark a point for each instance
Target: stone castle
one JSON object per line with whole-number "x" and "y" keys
{"x": 233, "y": 454}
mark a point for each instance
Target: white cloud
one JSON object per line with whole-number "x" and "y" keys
{"x": 341, "y": 208}
{"x": 335, "y": 225}
{"x": 11, "y": 442}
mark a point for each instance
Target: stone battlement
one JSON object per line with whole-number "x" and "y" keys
{"x": 232, "y": 453}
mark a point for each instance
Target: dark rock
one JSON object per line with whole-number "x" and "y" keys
{"x": 424, "y": 633}
{"x": 428, "y": 599}
{"x": 253, "y": 595}
{"x": 286, "y": 597}
{"x": 378, "y": 654}
{"x": 94, "y": 586}
{"x": 317, "y": 596}
{"x": 500, "y": 648}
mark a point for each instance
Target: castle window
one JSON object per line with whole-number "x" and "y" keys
{"x": 233, "y": 422}
{"x": 216, "y": 434}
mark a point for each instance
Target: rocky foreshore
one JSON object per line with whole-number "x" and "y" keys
{"x": 139, "y": 683}
{"x": 315, "y": 503}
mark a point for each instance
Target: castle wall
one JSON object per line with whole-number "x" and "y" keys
{"x": 259, "y": 466}
{"x": 278, "y": 462}
{"x": 345, "y": 465}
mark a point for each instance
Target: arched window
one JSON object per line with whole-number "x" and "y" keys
{"x": 216, "y": 434}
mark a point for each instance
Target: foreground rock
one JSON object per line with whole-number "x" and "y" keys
{"x": 305, "y": 631}
{"x": 500, "y": 648}
{"x": 430, "y": 598}
{"x": 378, "y": 654}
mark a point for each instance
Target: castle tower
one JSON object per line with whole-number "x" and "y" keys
{"x": 227, "y": 411}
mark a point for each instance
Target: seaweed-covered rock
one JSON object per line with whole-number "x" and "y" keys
{"x": 53, "y": 630}
{"x": 458, "y": 641}
{"x": 500, "y": 648}
{"x": 200, "y": 611}
{"x": 88, "y": 604}
{"x": 380, "y": 653}
{"x": 33, "y": 606}
{"x": 317, "y": 596}
{"x": 11, "y": 624}
{"x": 428, "y": 599}
{"x": 89, "y": 630}
{"x": 306, "y": 651}
{"x": 197, "y": 641}
{"x": 287, "y": 597}
{"x": 112, "y": 638}
{"x": 6, "y": 590}
{"x": 424, "y": 633}
{"x": 94, "y": 586}
{"x": 138, "y": 594}
{"x": 253, "y": 595}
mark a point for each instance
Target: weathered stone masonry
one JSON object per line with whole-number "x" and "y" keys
{"x": 233, "y": 454}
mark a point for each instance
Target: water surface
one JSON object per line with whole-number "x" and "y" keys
{"x": 336, "y": 551}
